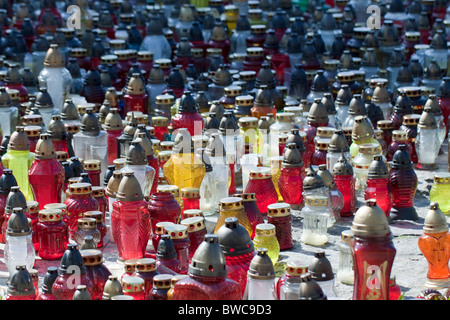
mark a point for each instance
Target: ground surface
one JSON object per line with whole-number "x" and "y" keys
{"x": 410, "y": 267}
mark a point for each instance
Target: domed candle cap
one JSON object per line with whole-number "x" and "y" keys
{"x": 328, "y": 102}
{"x": 342, "y": 167}
{"x": 188, "y": 103}
{"x": 175, "y": 79}
{"x": 90, "y": 124}
{"x": 69, "y": 111}
{"x": 15, "y": 199}
{"x": 338, "y": 142}
{"x": 310, "y": 289}
{"x": 7, "y": 181}
{"x": 5, "y": 99}
{"x": 403, "y": 104}
{"x": 320, "y": 267}
{"x": 129, "y": 188}
{"x": 380, "y": 93}
{"x": 136, "y": 154}
{"x": 401, "y": 159}
{"x": 113, "y": 120}
{"x": 18, "y": 224}
{"x": 208, "y": 259}
{"x": 292, "y": 156}
{"x": 265, "y": 76}
{"x": 344, "y": 95}
{"x": 44, "y": 148}
{"x": 326, "y": 175}
{"x": 234, "y": 238}
{"x": 54, "y": 58}
{"x": 433, "y": 104}
{"x": 113, "y": 184}
{"x": 317, "y": 112}
{"x": 357, "y": 106}
{"x": 320, "y": 82}
{"x": 72, "y": 257}
{"x": 295, "y": 137}
{"x": 156, "y": 75}
{"x": 49, "y": 278}
{"x": 20, "y": 283}
{"x": 370, "y": 221}
{"x": 166, "y": 248}
{"x": 433, "y": 71}
{"x": 222, "y": 77}
{"x": 377, "y": 168}
{"x": 312, "y": 180}
{"x": 56, "y": 128}
{"x": 263, "y": 97}
{"x": 362, "y": 129}
{"x": 19, "y": 140}
{"x": 135, "y": 85}
{"x": 112, "y": 288}
{"x": 261, "y": 266}
{"x": 427, "y": 119}
{"x": 435, "y": 220}
{"x": 81, "y": 293}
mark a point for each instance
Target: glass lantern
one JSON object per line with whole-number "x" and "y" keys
{"x": 315, "y": 220}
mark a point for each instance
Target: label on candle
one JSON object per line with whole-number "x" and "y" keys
{"x": 374, "y": 282}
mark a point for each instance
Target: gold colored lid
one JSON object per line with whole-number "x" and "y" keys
{"x": 164, "y": 156}
{"x": 285, "y": 116}
{"x": 260, "y": 173}
{"x": 160, "y": 121}
{"x": 162, "y": 281}
{"x": 370, "y": 148}
{"x": 279, "y": 209}
{"x": 109, "y": 59}
{"x": 192, "y": 213}
{"x": 97, "y": 215}
{"x": 257, "y": 28}
{"x": 177, "y": 231}
{"x": 442, "y": 178}
{"x": 316, "y": 201}
{"x": 80, "y": 188}
{"x": 233, "y": 91}
{"x": 194, "y": 224}
{"x": 87, "y": 223}
{"x": 399, "y": 135}
{"x": 411, "y": 119}
{"x": 33, "y": 131}
{"x": 130, "y": 265}
{"x": 92, "y": 165}
{"x": 248, "y": 122}
{"x": 295, "y": 269}
{"x": 161, "y": 227}
{"x": 119, "y": 163}
{"x": 265, "y": 230}
{"x": 173, "y": 189}
{"x": 73, "y": 180}
{"x": 145, "y": 265}
{"x": 384, "y": 124}
{"x": 411, "y": 91}
{"x": 244, "y": 101}
{"x": 255, "y": 52}
{"x": 132, "y": 284}
{"x": 231, "y": 203}
{"x": 166, "y": 146}
{"x": 190, "y": 193}
{"x": 322, "y": 144}
{"x": 98, "y": 191}
{"x": 59, "y": 206}
{"x": 246, "y": 197}
{"x": 33, "y": 206}
{"x": 31, "y": 119}
{"x": 325, "y": 132}
{"x": 145, "y": 56}
{"x": 346, "y": 76}
{"x": 91, "y": 257}
{"x": 72, "y": 127}
{"x": 164, "y": 63}
{"x": 62, "y": 156}
{"x": 50, "y": 215}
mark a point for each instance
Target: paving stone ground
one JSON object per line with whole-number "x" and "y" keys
{"x": 410, "y": 266}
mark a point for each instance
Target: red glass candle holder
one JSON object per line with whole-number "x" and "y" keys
{"x": 52, "y": 234}
{"x": 279, "y": 214}
{"x": 179, "y": 235}
{"x": 99, "y": 194}
{"x": 96, "y": 271}
{"x": 196, "y": 233}
{"x": 251, "y": 210}
{"x": 162, "y": 206}
{"x": 79, "y": 201}
{"x": 190, "y": 197}
{"x": 261, "y": 184}
{"x": 345, "y": 183}
{"x": 146, "y": 269}
{"x": 134, "y": 287}
{"x": 398, "y": 137}
{"x": 290, "y": 184}
{"x": 93, "y": 169}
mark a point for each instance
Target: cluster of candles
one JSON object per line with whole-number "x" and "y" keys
{"x": 151, "y": 119}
